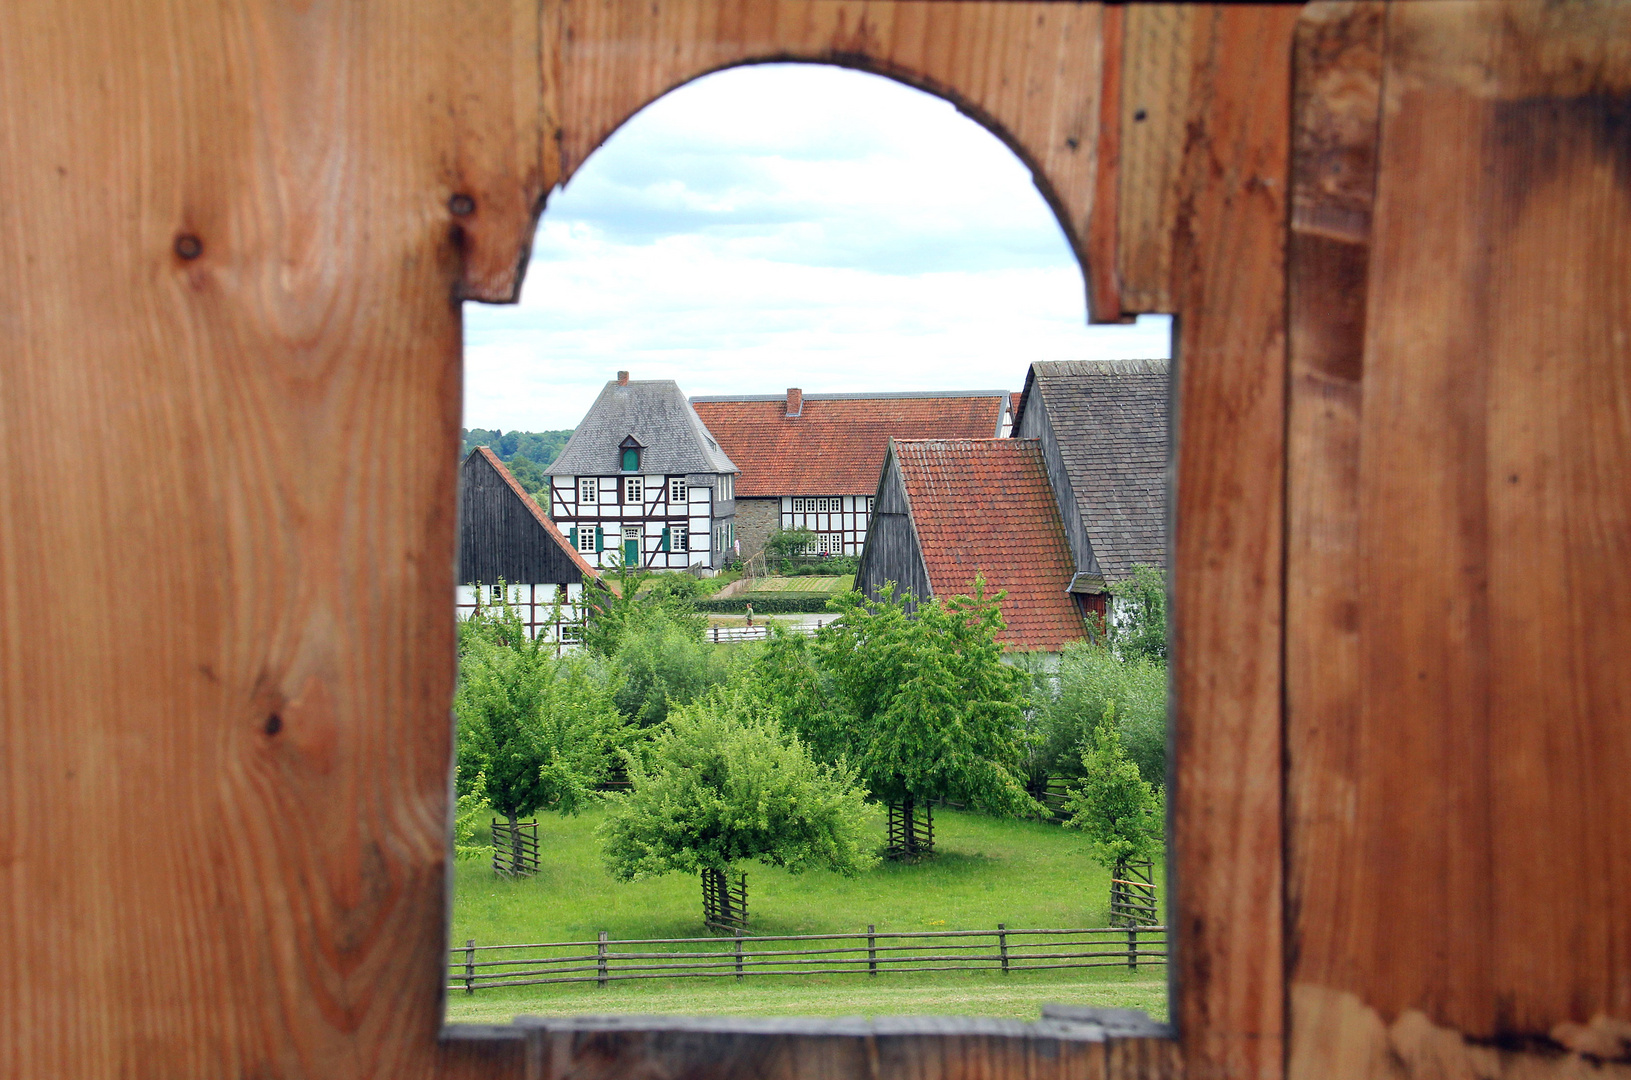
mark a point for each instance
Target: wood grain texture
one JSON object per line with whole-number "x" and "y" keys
{"x": 1156, "y": 69}
{"x": 189, "y": 889}
{"x": 1031, "y": 73}
{"x": 1227, "y": 565}
{"x": 1458, "y": 773}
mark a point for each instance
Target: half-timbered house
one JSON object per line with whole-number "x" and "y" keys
{"x": 508, "y": 543}
{"x": 1102, "y": 429}
{"x": 642, "y": 482}
{"x": 951, "y": 511}
{"x": 810, "y": 461}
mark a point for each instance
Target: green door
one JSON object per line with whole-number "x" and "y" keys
{"x": 631, "y": 547}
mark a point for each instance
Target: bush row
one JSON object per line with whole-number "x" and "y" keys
{"x": 778, "y": 603}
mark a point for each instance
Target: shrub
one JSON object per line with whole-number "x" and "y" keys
{"x": 1138, "y": 630}
{"x": 785, "y": 542}
{"x": 1092, "y": 683}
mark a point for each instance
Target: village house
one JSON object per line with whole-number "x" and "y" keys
{"x": 950, "y": 511}
{"x": 810, "y": 461}
{"x": 507, "y": 542}
{"x": 1102, "y": 428}
{"x": 643, "y": 483}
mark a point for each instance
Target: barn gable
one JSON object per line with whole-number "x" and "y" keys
{"x": 504, "y": 534}
{"x": 952, "y": 510}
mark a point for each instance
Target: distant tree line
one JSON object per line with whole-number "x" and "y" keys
{"x": 526, "y": 453}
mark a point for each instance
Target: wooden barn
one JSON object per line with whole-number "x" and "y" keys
{"x": 810, "y": 461}
{"x": 1102, "y": 427}
{"x": 234, "y": 242}
{"x": 505, "y": 536}
{"x": 950, "y": 511}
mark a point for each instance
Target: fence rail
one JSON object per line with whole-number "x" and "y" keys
{"x": 722, "y": 634}
{"x": 474, "y": 967}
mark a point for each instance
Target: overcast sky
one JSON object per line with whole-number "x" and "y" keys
{"x": 788, "y": 225}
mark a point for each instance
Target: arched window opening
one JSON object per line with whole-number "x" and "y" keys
{"x": 831, "y": 338}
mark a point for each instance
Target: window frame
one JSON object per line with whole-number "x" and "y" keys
{"x": 588, "y": 490}
{"x": 634, "y": 490}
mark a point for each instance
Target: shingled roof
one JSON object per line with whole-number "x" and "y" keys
{"x": 659, "y": 418}
{"x": 834, "y": 443}
{"x": 984, "y": 506}
{"x": 1109, "y": 418}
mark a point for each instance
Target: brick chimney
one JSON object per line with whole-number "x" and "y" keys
{"x": 795, "y": 402}
{"x": 622, "y": 378}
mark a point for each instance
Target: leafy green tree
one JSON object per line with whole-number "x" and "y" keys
{"x": 1092, "y": 682}
{"x": 783, "y": 543}
{"x": 535, "y": 732}
{"x": 928, "y": 708}
{"x": 638, "y": 597}
{"x": 662, "y": 663}
{"x": 1138, "y": 626}
{"x": 722, "y": 783}
{"x": 528, "y": 473}
{"x": 1120, "y": 811}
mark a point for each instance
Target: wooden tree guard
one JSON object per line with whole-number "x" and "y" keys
{"x": 911, "y": 834}
{"x": 724, "y": 904}
{"x": 515, "y": 849}
{"x": 1132, "y": 894}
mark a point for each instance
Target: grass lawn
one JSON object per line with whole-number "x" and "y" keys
{"x": 802, "y": 583}
{"x": 1024, "y": 874}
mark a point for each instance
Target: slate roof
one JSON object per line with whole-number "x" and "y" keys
{"x": 837, "y": 444}
{"x": 1110, "y": 420}
{"x": 984, "y": 506}
{"x": 538, "y": 513}
{"x": 656, "y": 413}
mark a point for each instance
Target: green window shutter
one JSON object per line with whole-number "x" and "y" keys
{"x": 600, "y": 538}
{"x": 631, "y": 459}
{"x": 574, "y": 538}
{"x": 663, "y": 545}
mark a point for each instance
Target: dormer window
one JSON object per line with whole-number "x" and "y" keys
{"x": 630, "y": 454}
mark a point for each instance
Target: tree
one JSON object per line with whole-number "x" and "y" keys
{"x": 929, "y": 710}
{"x": 662, "y": 663}
{"x": 635, "y": 597}
{"x": 1138, "y": 624}
{"x": 723, "y": 783}
{"x": 1120, "y": 811}
{"x": 1092, "y": 682}
{"x": 535, "y": 732}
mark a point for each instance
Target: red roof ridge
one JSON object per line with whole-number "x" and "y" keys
{"x": 537, "y": 512}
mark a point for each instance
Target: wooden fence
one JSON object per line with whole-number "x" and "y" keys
{"x": 724, "y": 634}
{"x": 603, "y": 961}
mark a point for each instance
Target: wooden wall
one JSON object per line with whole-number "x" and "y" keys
{"x": 499, "y": 536}
{"x": 233, "y": 239}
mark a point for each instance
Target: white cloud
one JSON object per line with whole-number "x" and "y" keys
{"x": 788, "y": 225}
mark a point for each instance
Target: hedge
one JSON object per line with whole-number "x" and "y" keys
{"x": 777, "y": 603}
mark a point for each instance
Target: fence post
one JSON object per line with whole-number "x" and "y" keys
{"x": 470, "y": 965}
{"x": 738, "y": 954}
{"x": 1002, "y": 945}
{"x": 1132, "y": 947}
{"x": 601, "y": 960}
{"x": 716, "y": 635}
{"x": 871, "y": 950}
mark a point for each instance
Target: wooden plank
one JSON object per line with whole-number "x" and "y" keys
{"x": 1031, "y": 73}
{"x": 1227, "y": 565}
{"x": 1157, "y": 67}
{"x": 227, "y": 255}
{"x": 1336, "y": 109}
{"x": 1477, "y": 756}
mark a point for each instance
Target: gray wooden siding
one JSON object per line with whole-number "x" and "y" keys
{"x": 1034, "y": 424}
{"x": 500, "y": 538}
{"x": 892, "y": 552}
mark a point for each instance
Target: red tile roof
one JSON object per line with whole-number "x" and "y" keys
{"x": 538, "y": 512}
{"x": 837, "y": 444}
{"x": 984, "y": 506}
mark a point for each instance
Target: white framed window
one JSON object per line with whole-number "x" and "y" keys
{"x": 634, "y": 489}
{"x": 830, "y": 543}
{"x": 677, "y": 491}
{"x": 588, "y": 489}
{"x": 727, "y": 486}
{"x": 680, "y": 538}
{"x": 586, "y": 538}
